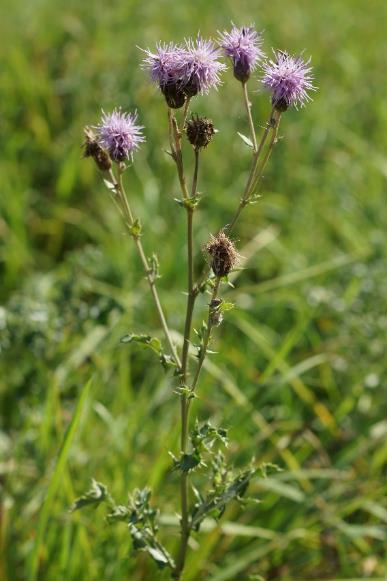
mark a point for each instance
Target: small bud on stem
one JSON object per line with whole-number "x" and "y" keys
{"x": 223, "y": 254}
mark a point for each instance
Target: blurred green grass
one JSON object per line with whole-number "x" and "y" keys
{"x": 300, "y": 377}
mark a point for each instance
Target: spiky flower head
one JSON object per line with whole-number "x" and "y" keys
{"x": 201, "y": 66}
{"x": 289, "y": 79}
{"x": 119, "y": 134}
{"x": 91, "y": 148}
{"x": 200, "y": 131}
{"x": 243, "y": 46}
{"x": 222, "y": 253}
{"x": 166, "y": 68}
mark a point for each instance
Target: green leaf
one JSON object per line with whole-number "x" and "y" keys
{"x": 143, "y": 528}
{"x": 185, "y": 390}
{"x": 204, "y": 436}
{"x": 187, "y": 462}
{"x": 98, "y": 493}
{"x": 267, "y": 468}
{"x": 154, "y": 266}
{"x": 180, "y": 202}
{"x": 226, "y": 306}
{"x": 167, "y": 361}
{"x": 135, "y": 228}
{"x": 110, "y": 186}
{"x": 146, "y": 341}
{"x": 55, "y": 483}
{"x": 119, "y": 513}
{"x": 246, "y": 140}
{"x": 215, "y": 503}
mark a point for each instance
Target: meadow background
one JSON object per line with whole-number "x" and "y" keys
{"x": 300, "y": 377}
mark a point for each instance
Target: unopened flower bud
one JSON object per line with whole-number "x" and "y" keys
{"x": 200, "y": 131}
{"x": 93, "y": 149}
{"x": 223, "y": 254}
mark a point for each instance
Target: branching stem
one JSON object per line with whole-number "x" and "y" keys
{"x": 130, "y": 222}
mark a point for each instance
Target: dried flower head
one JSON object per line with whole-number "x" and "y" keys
{"x": 166, "y": 67}
{"x": 243, "y": 46}
{"x": 200, "y": 131}
{"x": 223, "y": 254}
{"x": 289, "y": 79}
{"x": 93, "y": 149}
{"x": 201, "y": 66}
{"x": 119, "y": 134}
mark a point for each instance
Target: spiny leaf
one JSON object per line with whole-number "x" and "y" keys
{"x": 119, "y": 513}
{"x": 204, "y": 436}
{"x": 98, "y": 493}
{"x": 215, "y": 503}
{"x": 187, "y": 462}
{"x": 268, "y": 468}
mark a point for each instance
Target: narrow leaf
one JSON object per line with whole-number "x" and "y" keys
{"x": 246, "y": 140}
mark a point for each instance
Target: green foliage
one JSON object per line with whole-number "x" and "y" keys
{"x": 139, "y": 516}
{"x": 226, "y": 487}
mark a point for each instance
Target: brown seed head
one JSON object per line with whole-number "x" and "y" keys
{"x": 223, "y": 254}
{"x": 200, "y": 131}
{"x": 93, "y": 149}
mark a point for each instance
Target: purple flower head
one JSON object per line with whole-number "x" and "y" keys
{"x": 243, "y": 46}
{"x": 166, "y": 64}
{"x": 119, "y": 134}
{"x": 289, "y": 79}
{"x": 166, "y": 68}
{"x": 201, "y": 67}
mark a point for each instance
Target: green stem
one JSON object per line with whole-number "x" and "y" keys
{"x": 175, "y": 135}
{"x": 246, "y": 193}
{"x": 249, "y": 116}
{"x": 252, "y": 175}
{"x": 129, "y": 219}
{"x": 207, "y": 337}
{"x": 184, "y": 402}
{"x": 259, "y": 174}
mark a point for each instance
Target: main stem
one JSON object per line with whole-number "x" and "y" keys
{"x": 184, "y": 401}
{"x": 128, "y": 214}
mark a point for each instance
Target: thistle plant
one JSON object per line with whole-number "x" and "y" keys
{"x": 183, "y": 73}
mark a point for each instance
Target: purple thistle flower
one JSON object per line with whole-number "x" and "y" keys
{"x": 243, "y": 46}
{"x": 288, "y": 78}
{"x": 119, "y": 134}
{"x": 166, "y": 67}
{"x": 166, "y": 64}
{"x": 201, "y": 67}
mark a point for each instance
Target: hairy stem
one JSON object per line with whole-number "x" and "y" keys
{"x": 130, "y": 221}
